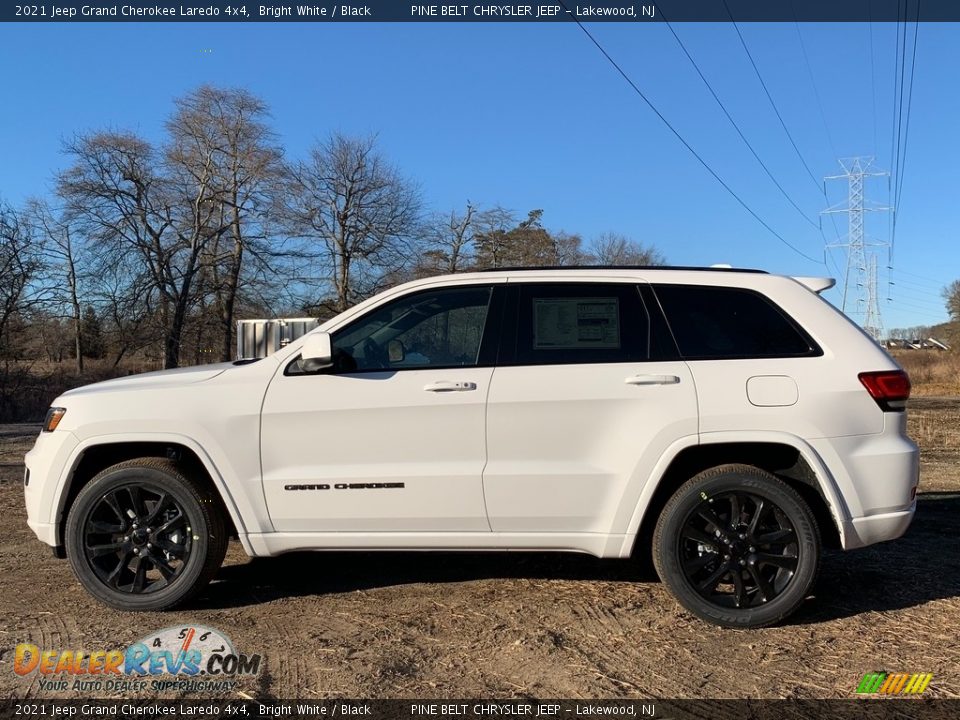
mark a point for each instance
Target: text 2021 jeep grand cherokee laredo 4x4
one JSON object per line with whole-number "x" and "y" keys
{"x": 733, "y": 421}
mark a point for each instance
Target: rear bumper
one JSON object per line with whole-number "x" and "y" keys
{"x": 876, "y": 477}
{"x": 863, "y": 531}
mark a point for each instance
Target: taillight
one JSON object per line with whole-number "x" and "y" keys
{"x": 890, "y": 388}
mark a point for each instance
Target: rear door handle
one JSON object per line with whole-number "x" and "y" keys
{"x": 652, "y": 380}
{"x": 449, "y": 386}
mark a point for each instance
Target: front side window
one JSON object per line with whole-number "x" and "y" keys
{"x": 436, "y": 328}
{"x": 580, "y": 323}
{"x": 727, "y": 323}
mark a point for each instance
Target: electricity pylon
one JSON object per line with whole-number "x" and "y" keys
{"x": 860, "y": 296}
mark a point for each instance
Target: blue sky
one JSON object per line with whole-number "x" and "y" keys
{"x": 532, "y": 116}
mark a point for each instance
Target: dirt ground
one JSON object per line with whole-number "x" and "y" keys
{"x": 528, "y": 625}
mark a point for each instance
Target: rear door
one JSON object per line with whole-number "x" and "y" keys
{"x": 587, "y": 395}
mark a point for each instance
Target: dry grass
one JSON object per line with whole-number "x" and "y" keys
{"x": 28, "y": 387}
{"x": 932, "y": 372}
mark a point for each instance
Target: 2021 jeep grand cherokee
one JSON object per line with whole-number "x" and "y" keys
{"x": 732, "y": 421}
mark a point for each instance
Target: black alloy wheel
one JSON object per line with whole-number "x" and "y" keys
{"x": 145, "y": 534}
{"x": 737, "y": 546}
{"x": 137, "y": 538}
{"x": 738, "y": 550}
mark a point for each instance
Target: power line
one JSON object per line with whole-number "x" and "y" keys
{"x": 813, "y": 82}
{"x": 873, "y": 76}
{"x": 921, "y": 300}
{"x": 896, "y": 89}
{"x": 821, "y": 188}
{"x": 836, "y": 267}
{"x": 899, "y": 120}
{"x": 901, "y": 131}
{"x": 737, "y": 127}
{"x": 893, "y": 126}
{"x": 769, "y": 96}
{"x": 687, "y": 145}
{"x": 919, "y": 287}
{"x": 923, "y": 312}
{"x": 906, "y": 132}
{"x": 921, "y": 277}
{"x": 823, "y": 117}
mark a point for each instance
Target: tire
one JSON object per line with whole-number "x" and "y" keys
{"x": 143, "y": 535}
{"x": 753, "y": 576}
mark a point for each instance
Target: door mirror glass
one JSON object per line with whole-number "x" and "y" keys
{"x": 317, "y": 352}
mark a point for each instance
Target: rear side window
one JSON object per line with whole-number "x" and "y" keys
{"x": 580, "y": 323}
{"x": 724, "y": 323}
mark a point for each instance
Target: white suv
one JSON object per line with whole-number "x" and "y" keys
{"x": 732, "y": 421}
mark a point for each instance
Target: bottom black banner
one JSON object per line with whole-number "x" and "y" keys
{"x": 901, "y": 708}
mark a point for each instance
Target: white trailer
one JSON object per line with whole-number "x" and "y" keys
{"x": 259, "y": 338}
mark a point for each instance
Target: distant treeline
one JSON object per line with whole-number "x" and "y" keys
{"x": 153, "y": 250}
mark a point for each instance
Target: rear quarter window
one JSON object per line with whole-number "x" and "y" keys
{"x": 727, "y": 323}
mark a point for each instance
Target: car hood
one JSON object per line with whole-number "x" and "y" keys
{"x": 158, "y": 379}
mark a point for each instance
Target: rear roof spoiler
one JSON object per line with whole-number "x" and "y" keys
{"x": 817, "y": 284}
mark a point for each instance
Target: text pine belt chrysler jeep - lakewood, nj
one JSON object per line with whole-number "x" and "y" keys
{"x": 731, "y": 422}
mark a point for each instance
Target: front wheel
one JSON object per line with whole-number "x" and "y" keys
{"x": 738, "y": 547}
{"x": 142, "y": 535}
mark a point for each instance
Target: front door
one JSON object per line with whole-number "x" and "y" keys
{"x": 393, "y": 437}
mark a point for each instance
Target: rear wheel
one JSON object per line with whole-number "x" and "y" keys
{"x": 738, "y": 547}
{"x": 142, "y": 535}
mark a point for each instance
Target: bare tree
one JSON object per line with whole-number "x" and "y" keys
{"x": 19, "y": 265}
{"x": 528, "y": 244}
{"x": 125, "y": 296}
{"x": 615, "y": 249}
{"x": 449, "y": 240}
{"x": 118, "y": 188}
{"x": 63, "y": 267}
{"x": 228, "y": 128}
{"x": 357, "y": 207}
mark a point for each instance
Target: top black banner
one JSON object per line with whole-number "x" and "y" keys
{"x": 564, "y": 11}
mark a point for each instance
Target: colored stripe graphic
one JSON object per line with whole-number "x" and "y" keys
{"x": 894, "y": 683}
{"x": 871, "y": 682}
{"x": 922, "y": 684}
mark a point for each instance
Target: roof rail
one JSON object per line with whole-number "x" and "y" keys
{"x": 624, "y": 267}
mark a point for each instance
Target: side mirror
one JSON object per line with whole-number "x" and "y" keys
{"x": 317, "y": 352}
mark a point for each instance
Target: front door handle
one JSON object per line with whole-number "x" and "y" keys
{"x": 449, "y": 386}
{"x": 652, "y": 380}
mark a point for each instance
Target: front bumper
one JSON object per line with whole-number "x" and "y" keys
{"x": 48, "y": 463}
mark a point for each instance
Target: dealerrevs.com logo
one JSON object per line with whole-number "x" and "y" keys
{"x": 191, "y": 658}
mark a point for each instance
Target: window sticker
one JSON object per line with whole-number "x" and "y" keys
{"x": 576, "y": 323}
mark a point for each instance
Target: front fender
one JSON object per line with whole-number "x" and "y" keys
{"x": 245, "y": 511}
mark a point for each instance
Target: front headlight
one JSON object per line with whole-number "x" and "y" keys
{"x": 54, "y": 416}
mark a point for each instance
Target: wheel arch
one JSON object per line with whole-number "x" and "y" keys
{"x": 789, "y": 458}
{"x": 97, "y": 454}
